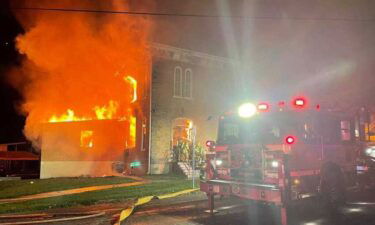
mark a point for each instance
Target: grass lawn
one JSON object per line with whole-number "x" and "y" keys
{"x": 160, "y": 185}
{"x": 16, "y": 188}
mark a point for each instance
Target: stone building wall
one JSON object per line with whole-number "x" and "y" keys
{"x": 212, "y": 88}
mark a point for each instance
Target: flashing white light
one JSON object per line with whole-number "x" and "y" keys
{"x": 275, "y": 164}
{"x": 361, "y": 203}
{"x": 247, "y": 110}
{"x": 300, "y": 102}
{"x": 263, "y": 107}
{"x": 371, "y": 152}
{"x": 218, "y": 162}
{"x": 354, "y": 210}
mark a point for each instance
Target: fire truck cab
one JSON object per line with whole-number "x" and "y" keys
{"x": 281, "y": 154}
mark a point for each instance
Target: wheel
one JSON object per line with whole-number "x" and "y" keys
{"x": 332, "y": 186}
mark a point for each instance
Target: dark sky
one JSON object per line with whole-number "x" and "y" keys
{"x": 321, "y": 48}
{"x": 11, "y": 123}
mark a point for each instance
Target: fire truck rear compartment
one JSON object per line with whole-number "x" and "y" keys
{"x": 252, "y": 172}
{"x": 250, "y": 191}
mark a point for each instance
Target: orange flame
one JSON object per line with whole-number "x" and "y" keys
{"x": 104, "y": 112}
{"x": 101, "y": 112}
{"x": 133, "y": 82}
{"x": 68, "y": 117}
{"x": 132, "y": 131}
{"x": 87, "y": 139}
{"x": 75, "y": 77}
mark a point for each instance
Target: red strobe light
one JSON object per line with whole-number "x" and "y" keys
{"x": 263, "y": 107}
{"x": 299, "y": 102}
{"x": 210, "y": 144}
{"x": 290, "y": 140}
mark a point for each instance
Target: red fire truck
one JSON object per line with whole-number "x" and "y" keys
{"x": 366, "y": 158}
{"x": 281, "y": 153}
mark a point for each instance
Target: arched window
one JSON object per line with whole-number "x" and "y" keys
{"x": 183, "y": 80}
{"x": 188, "y": 84}
{"x": 177, "y": 82}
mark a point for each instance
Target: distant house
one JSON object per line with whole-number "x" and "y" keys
{"x": 18, "y": 160}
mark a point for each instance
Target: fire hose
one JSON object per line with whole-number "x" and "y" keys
{"x": 141, "y": 201}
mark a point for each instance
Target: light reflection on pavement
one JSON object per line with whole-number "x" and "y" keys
{"x": 360, "y": 210}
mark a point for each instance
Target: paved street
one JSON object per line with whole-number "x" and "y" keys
{"x": 359, "y": 210}
{"x": 190, "y": 210}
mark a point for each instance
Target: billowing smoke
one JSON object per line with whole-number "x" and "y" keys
{"x": 79, "y": 66}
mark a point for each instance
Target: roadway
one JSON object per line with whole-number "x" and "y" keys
{"x": 360, "y": 210}
{"x": 190, "y": 210}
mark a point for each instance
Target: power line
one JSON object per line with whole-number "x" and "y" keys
{"x": 70, "y": 10}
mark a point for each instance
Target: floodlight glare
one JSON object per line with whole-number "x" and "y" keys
{"x": 275, "y": 164}
{"x": 247, "y": 110}
{"x": 218, "y": 162}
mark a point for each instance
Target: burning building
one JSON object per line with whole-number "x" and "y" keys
{"x": 84, "y": 79}
{"x": 93, "y": 147}
{"x": 100, "y": 99}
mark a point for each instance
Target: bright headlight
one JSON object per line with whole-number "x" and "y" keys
{"x": 275, "y": 164}
{"x": 218, "y": 162}
{"x": 247, "y": 110}
{"x": 370, "y": 152}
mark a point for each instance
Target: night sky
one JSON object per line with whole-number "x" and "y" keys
{"x": 11, "y": 122}
{"x": 330, "y": 53}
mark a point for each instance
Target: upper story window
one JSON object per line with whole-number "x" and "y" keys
{"x": 177, "y": 82}
{"x": 183, "y": 79}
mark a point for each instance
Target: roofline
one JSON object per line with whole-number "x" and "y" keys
{"x": 189, "y": 56}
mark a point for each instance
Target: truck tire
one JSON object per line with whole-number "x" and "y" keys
{"x": 332, "y": 186}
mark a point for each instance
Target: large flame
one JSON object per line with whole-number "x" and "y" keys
{"x": 133, "y": 83}
{"x": 77, "y": 68}
{"x": 101, "y": 112}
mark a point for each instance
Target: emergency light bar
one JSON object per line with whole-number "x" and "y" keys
{"x": 299, "y": 102}
{"x": 263, "y": 107}
{"x": 248, "y": 110}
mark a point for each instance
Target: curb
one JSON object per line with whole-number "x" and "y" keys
{"x": 141, "y": 201}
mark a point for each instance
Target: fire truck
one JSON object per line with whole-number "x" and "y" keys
{"x": 366, "y": 157}
{"x": 280, "y": 154}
